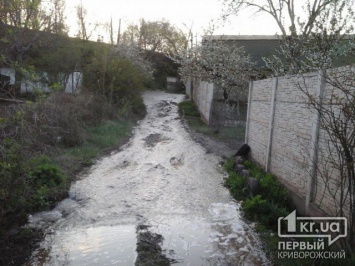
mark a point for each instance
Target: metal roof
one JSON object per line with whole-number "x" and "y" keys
{"x": 256, "y": 46}
{"x": 240, "y": 37}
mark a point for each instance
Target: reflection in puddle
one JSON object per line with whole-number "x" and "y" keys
{"x": 220, "y": 239}
{"x": 94, "y": 246}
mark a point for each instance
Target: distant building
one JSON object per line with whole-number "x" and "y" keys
{"x": 74, "y": 82}
{"x": 257, "y": 46}
{"x": 7, "y": 77}
{"x": 263, "y": 46}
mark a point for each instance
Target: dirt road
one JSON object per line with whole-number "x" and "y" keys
{"x": 160, "y": 199}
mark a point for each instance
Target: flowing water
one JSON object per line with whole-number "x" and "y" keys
{"x": 157, "y": 201}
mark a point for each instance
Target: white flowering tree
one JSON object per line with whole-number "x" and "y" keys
{"x": 225, "y": 65}
{"x": 133, "y": 53}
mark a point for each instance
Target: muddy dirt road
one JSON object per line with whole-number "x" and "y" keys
{"x": 160, "y": 199}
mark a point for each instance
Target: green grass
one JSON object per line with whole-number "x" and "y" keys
{"x": 188, "y": 108}
{"x": 231, "y": 133}
{"x": 100, "y": 139}
{"x": 192, "y": 116}
{"x": 265, "y": 209}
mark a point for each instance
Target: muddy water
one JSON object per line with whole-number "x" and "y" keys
{"x": 158, "y": 201}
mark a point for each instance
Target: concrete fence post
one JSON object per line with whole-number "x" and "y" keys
{"x": 251, "y": 84}
{"x": 271, "y": 123}
{"x": 210, "y": 99}
{"x": 314, "y": 142}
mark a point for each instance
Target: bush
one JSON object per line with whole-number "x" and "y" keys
{"x": 119, "y": 81}
{"x": 255, "y": 207}
{"x": 271, "y": 201}
{"x": 273, "y": 190}
{"x": 263, "y": 211}
{"x": 229, "y": 165}
{"x": 14, "y": 189}
{"x": 47, "y": 175}
{"x": 270, "y": 188}
{"x": 55, "y": 121}
{"x": 236, "y": 184}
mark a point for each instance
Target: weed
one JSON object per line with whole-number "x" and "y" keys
{"x": 229, "y": 165}
{"x": 47, "y": 175}
{"x": 236, "y": 184}
{"x": 270, "y": 188}
{"x": 188, "y": 108}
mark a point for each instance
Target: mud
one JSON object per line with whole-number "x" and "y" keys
{"x": 160, "y": 198}
{"x": 149, "y": 251}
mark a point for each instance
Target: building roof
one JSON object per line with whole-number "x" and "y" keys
{"x": 240, "y": 37}
{"x": 263, "y": 46}
{"x": 256, "y": 46}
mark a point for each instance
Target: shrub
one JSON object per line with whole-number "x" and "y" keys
{"x": 263, "y": 211}
{"x": 47, "y": 175}
{"x": 236, "y": 184}
{"x": 14, "y": 187}
{"x": 270, "y": 188}
{"x": 255, "y": 207}
{"x": 273, "y": 190}
{"x": 229, "y": 165}
{"x": 271, "y": 201}
{"x": 119, "y": 81}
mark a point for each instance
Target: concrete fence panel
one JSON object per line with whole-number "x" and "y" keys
{"x": 285, "y": 137}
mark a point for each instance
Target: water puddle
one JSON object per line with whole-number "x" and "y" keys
{"x": 104, "y": 245}
{"x": 158, "y": 201}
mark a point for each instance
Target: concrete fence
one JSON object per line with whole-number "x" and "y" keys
{"x": 202, "y": 96}
{"x": 210, "y": 103}
{"x": 285, "y": 137}
{"x": 72, "y": 82}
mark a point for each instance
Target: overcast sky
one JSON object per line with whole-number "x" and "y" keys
{"x": 181, "y": 13}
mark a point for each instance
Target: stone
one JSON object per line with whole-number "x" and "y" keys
{"x": 253, "y": 185}
{"x": 239, "y": 160}
{"x": 245, "y": 172}
{"x": 239, "y": 168}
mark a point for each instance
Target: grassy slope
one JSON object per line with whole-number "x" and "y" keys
{"x": 18, "y": 243}
{"x": 100, "y": 139}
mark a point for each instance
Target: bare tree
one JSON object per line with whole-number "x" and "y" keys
{"x": 335, "y": 162}
{"x": 288, "y": 14}
{"x": 57, "y": 15}
{"x": 27, "y": 21}
{"x": 85, "y": 29}
{"x": 156, "y": 36}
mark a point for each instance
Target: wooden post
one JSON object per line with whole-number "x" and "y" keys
{"x": 314, "y": 142}
{"x": 271, "y": 123}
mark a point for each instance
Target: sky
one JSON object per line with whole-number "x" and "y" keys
{"x": 184, "y": 14}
